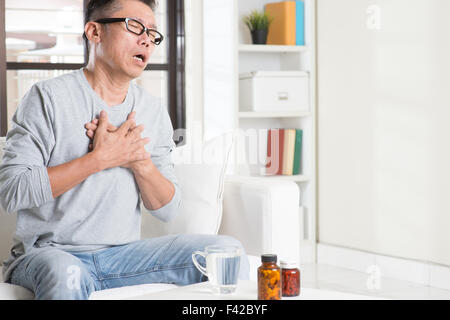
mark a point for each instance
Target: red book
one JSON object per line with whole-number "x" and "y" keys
{"x": 275, "y": 145}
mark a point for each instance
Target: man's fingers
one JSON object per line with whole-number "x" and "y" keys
{"x": 140, "y": 144}
{"x": 132, "y": 115}
{"x": 124, "y": 128}
{"x": 90, "y": 134}
{"x": 91, "y": 126}
{"x": 135, "y": 133}
{"x": 112, "y": 128}
{"x": 139, "y": 129}
{"x": 103, "y": 122}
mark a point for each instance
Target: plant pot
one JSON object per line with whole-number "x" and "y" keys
{"x": 259, "y": 36}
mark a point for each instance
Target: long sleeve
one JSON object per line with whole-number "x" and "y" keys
{"x": 24, "y": 181}
{"x": 162, "y": 159}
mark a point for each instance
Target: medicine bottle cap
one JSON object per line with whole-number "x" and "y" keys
{"x": 288, "y": 264}
{"x": 269, "y": 258}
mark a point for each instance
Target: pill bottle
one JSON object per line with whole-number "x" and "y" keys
{"x": 290, "y": 279}
{"x": 269, "y": 278}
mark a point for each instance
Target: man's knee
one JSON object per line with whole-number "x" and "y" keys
{"x": 59, "y": 275}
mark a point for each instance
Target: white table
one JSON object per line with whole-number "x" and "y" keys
{"x": 247, "y": 290}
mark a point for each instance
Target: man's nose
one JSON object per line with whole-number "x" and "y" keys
{"x": 145, "y": 40}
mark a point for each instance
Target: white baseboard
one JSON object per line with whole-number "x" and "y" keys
{"x": 424, "y": 273}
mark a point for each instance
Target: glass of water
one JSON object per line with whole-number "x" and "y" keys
{"x": 222, "y": 267}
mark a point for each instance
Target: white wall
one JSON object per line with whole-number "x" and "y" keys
{"x": 194, "y": 69}
{"x": 384, "y": 108}
{"x": 219, "y": 58}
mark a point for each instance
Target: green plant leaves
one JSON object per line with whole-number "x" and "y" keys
{"x": 258, "y": 20}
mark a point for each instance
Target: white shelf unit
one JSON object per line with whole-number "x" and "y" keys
{"x": 250, "y": 58}
{"x": 274, "y": 114}
{"x": 271, "y": 48}
{"x": 295, "y": 178}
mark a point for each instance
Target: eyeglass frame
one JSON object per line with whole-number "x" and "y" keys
{"x": 144, "y": 28}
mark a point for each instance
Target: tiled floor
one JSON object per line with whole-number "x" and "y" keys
{"x": 345, "y": 280}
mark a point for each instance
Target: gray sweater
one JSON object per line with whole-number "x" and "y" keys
{"x": 105, "y": 209}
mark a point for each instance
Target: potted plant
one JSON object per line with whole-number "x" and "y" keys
{"x": 258, "y": 22}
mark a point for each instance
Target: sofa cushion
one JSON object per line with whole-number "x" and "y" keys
{"x": 12, "y": 292}
{"x": 200, "y": 170}
{"x": 130, "y": 291}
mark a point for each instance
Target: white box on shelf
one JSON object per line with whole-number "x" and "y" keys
{"x": 274, "y": 91}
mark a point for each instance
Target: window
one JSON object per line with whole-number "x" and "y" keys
{"x": 32, "y": 50}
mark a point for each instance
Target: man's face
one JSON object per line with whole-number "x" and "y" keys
{"x": 120, "y": 47}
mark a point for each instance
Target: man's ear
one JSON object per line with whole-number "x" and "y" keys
{"x": 93, "y": 31}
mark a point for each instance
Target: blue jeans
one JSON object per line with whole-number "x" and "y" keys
{"x": 61, "y": 275}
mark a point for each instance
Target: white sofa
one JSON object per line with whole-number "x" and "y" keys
{"x": 262, "y": 214}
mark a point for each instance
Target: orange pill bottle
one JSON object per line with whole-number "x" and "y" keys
{"x": 269, "y": 278}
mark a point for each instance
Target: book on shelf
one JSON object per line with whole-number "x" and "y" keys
{"x": 288, "y": 24}
{"x": 282, "y": 29}
{"x": 300, "y": 23}
{"x": 275, "y": 145}
{"x": 298, "y": 152}
{"x": 288, "y": 152}
{"x": 284, "y": 151}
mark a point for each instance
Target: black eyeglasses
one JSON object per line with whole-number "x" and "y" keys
{"x": 137, "y": 28}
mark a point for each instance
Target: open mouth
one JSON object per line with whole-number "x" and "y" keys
{"x": 140, "y": 58}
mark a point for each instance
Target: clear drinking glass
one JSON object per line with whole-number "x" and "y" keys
{"x": 222, "y": 267}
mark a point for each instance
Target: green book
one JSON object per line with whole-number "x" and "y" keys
{"x": 298, "y": 152}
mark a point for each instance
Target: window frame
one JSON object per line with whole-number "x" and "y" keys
{"x": 175, "y": 66}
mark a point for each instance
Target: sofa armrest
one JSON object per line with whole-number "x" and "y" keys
{"x": 263, "y": 213}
